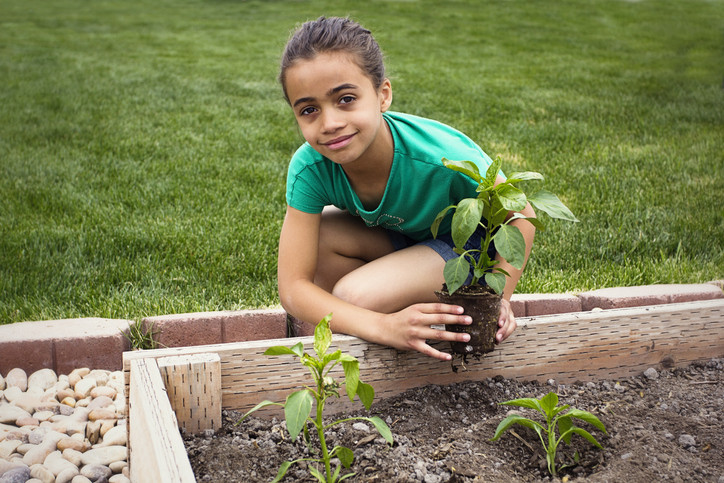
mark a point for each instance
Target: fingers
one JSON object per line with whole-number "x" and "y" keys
{"x": 506, "y": 322}
{"x": 431, "y": 351}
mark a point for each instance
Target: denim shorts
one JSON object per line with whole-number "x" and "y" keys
{"x": 443, "y": 245}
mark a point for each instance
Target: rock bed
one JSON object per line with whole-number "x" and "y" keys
{"x": 63, "y": 429}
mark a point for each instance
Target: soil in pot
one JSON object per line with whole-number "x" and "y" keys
{"x": 483, "y": 305}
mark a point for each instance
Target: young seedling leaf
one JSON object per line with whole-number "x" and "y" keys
{"x": 282, "y": 471}
{"x": 317, "y": 474}
{"x": 468, "y": 168}
{"x": 524, "y": 176}
{"x": 527, "y": 402}
{"x": 511, "y": 198}
{"x": 345, "y": 455}
{"x": 257, "y": 407}
{"x": 351, "y": 377}
{"x": 496, "y": 281}
{"x": 564, "y": 426}
{"x": 588, "y": 436}
{"x": 510, "y": 244}
{"x": 296, "y": 411}
{"x": 456, "y": 273}
{"x": 512, "y": 420}
{"x": 322, "y": 336}
{"x": 492, "y": 173}
{"x": 466, "y": 220}
{"x": 549, "y": 402}
{"x": 279, "y": 350}
{"x": 438, "y": 219}
{"x": 366, "y": 394}
{"x": 382, "y": 428}
{"x": 587, "y": 417}
{"x": 549, "y": 203}
{"x": 533, "y": 221}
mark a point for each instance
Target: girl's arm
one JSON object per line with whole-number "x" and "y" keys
{"x": 407, "y": 329}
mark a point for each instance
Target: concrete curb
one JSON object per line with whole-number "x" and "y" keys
{"x": 64, "y": 345}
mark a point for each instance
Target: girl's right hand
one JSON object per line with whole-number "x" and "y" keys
{"x": 410, "y": 328}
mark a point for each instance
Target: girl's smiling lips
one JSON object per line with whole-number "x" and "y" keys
{"x": 338, "y": 143}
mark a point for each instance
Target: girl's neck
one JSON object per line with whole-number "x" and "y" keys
{"x": 369, "y": 174}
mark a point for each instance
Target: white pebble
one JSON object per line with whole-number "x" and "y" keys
{"x": 17, "y": 378}
{"x": 43, "y": 379}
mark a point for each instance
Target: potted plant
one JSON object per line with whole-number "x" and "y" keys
{"x": 490, "y": 209}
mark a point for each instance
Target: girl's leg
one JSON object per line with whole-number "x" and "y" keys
{"x": 360, "y": 265}
{"x": 345, "y": 244}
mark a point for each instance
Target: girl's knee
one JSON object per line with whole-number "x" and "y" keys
{"x": 354, "y": 293}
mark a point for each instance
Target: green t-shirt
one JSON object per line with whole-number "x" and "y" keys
{"x": 419, "y": 186}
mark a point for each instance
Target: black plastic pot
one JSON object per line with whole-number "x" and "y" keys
{"x": 483, "y": 305}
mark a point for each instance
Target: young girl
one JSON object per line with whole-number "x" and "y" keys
{"x": 362, "y": 193}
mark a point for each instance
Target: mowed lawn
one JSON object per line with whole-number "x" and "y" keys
{"x": 144, "y": 144}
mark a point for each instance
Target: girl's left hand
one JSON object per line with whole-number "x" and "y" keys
{"x": 506, "y": 322}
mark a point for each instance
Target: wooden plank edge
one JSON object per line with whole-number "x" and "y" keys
{"x": 156, "y": 451}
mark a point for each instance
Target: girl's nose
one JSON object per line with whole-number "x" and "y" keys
{"x": 331, "y": 120}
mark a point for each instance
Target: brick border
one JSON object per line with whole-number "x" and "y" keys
{"x": 64, "y": 345}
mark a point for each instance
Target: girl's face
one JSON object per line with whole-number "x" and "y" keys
{"x": 338, "y": 109}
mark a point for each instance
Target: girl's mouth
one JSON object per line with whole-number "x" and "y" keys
{"x": 339, "y": 143}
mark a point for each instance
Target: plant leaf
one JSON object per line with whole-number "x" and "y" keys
{"x": 549, "y": 402}
{"x": 456, "y": 272}
{"x": 257, "y": 407}
{"x": 509, "y": 242}
{"x": 345, "y": 455}
{"x": 526, "y": 402}
{"x": 588, "y": 436}
{"x": 496, "y": 281}
{"x": 492, "y": 173}
{"x": 322, "y": 336}
{"x": 465, "y": 220}
{"x": 382, "y": 428}
{"x": 348, "y": 475}
{"x": 366, "y": 394}
{"x": 317, "y": 474}
{"x": 587, "y": 417}
{"x": 282, "y": 471}
{"x": 279, "y": 350}
{"x": 351, "y": 375}
{"x": 515, "y": 419}
{"x": 511, "y": 198}
{"x": 524, "y": 176}
{"x": 296, "y": 411}
{"x": 438, "y": 219}
{"x": 564, "y": 426}
{"x": 549, "y": 203}
{"x": 468, "y": 168}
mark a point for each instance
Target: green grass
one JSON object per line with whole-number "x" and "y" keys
{"x": 144, "y": 144}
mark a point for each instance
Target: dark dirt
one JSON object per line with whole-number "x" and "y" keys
{"x": 667, "y": 426}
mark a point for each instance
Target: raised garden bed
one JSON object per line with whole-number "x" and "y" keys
{"x": 583, "y": 346}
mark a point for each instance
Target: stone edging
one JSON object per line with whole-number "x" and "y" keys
{"x": 64, "y": 345}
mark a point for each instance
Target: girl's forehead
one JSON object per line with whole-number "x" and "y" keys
{"x": 324, "y": 71}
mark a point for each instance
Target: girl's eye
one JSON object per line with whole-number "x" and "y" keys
{"x": 307, "y": 111}
{"x": 346, "y": 99}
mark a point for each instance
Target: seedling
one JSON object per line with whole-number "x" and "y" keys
{"x": 556, "y": 420}
{"x": 490, "y": 210}
{"x": 298, "y": 405}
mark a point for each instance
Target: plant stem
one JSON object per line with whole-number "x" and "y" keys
{"x": 320, "y": 430}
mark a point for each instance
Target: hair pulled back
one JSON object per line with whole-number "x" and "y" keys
{"x": 334, "y": 34}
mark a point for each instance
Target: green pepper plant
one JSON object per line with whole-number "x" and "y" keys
{"x": 490, "y": 209}
{"x": 555, "y": 420}
{"x": 298, "y": 405}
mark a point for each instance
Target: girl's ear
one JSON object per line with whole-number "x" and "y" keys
{"x": 385, "y": 94}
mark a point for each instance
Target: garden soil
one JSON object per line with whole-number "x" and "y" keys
{"x": 663, "y": 425}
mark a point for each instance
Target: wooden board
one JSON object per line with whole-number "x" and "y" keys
{"x": 156, "y": 450}
{"x": 579, "y": 346}
{"x": 193, "y": 385}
